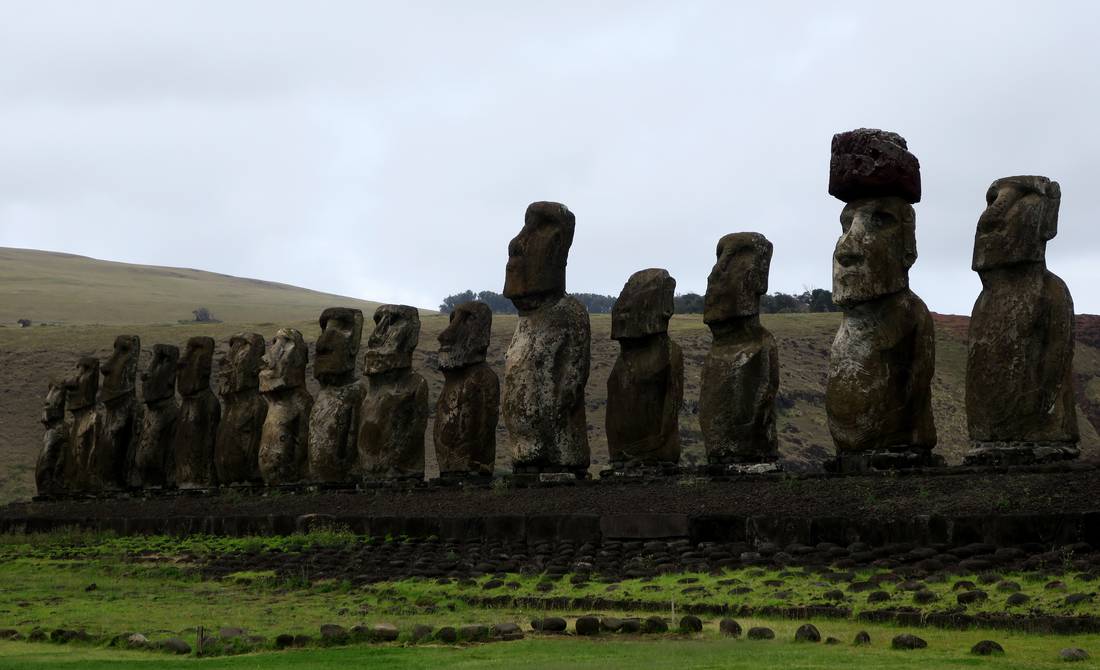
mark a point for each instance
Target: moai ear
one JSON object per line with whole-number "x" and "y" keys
{"x": 1053, "y": 201}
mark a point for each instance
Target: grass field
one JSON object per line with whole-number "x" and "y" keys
{"x": 153, "y": 586}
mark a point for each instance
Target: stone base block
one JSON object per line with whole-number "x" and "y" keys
{"x": 1020, "y": 453}
{"x": 635, "y": 470}
{"x": 893, "y": 459}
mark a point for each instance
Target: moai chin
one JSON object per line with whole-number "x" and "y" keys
{"x": 285, "y": 435}
{"x": 334, "y": 419}
{"x": 237, "y": 447}
{"x": 740, "y": 377}
{"x": 154, "y": 465}
{"x": 467, "y": 411}
{"x": 49, "y": 475}
{"x": 546, "y": 365}
{"x": 394, "y": 413}
{"x": 81, "y": 388}
{"x": 879, "y": 398}
{"x": 1020, "y": 406}
{"x": 646, "y": 385}
{"x": 200, "y": 413}
{"x": 117, "y": 418}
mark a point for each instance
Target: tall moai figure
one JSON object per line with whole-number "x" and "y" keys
{"x": 81, "y": 389}
{"x": 154, "y": 464}
{"x": 200, "y": 413}
{"x": 546, "y": 365}
{"x": 879, "y": 396}
{"x": 1020, "y": 406}
{"x": 117, "y": 418}
{"x": 285, "y": 435}
{"x": 646, "y": 387}
{"x": 740, "y": 378}
{"x": 334, "y": 419}
{"x": 468, "y": 408}
{"x": 394, "y": 414}
{"x": 237, "y": 448}
{"x": 49, "y": 475}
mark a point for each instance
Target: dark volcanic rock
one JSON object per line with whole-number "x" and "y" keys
{"x": 691, "y": 624}
{"x": 729, "y": 627}
{"x": 760, "y": 633}
{"x": 237, "y": 445}
{"x": 807, "y": 632}
{"x": 870, "y": 163}
{"x": 987, "y": 648}
{"x": 587, "y": 625}
{"x": 908, "y": 641}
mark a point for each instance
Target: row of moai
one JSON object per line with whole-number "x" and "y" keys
{"x": 269, "y": 430}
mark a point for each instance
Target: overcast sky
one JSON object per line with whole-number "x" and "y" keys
{"x": 388, "y": 150}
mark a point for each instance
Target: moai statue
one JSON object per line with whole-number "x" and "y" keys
{"x": 394, "y": 414}
{"x": 286, "y": 427}
{"x": 237, "y": 448}
{"x": 154, "y": 465}
{"x": 334, "y": 419}
{"x": 49, "y": 475}
{"x": 546, "y": 365}
{"x": 468, "y": 407}
{"x": 646, "y": 386}
{"x": 1020, "y": 406}
{"x": 117, "y": 418}
{"x": 741, "y": 372}
{"x": 200, "y": 413}
{"x": 81, "y": 388}
{"x": 879, "y": 396}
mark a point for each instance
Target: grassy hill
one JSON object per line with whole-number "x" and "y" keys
{"x": 49, "y": 287}
{"x": 29, "y": 356}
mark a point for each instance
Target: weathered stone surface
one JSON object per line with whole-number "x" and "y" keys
{"x": 878, "y": 399}
{"x": 646, "y": 385}
{"x": 117, "y": 417}
{"x": 546, "y": 365}
{"x": 691, "y": 624}
{"x": 760, "y": 633}
{"x": 870, "y": 163}
{"x": 154, "y": 457}
{"x": 468, "y": 408}
{"x": 987, "y": 648}
{"x": 49, "y": 475}
{"x": 807, "y": 632}
{"x": 908, "y": 641}
{"x": 285, "y": 434}
{"x": 237, "y": 449}
{"x": 729, "y": 627}
{"x": 1019, "y": 380}
{"x": 334, "y": 419}
{"x": 394, "y": 413}
{"x": 81, "y": 388}
{"x": 1073, "y": 654}
{"x": 200, "y": 412}
{"x": 741, "y": 372}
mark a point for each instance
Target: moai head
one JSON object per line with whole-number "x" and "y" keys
{"x": 644, "y": 306}
{"x": 53, "y": 406}
{"x": 193, "y": 370}
{"x": 159, "y": 381}
{"x": 82, "y": 385}
{"x": 338, "y": 346}
{"x": 466, "y": 339}
{"x": 395, "y": 336}
{"x": 537, "y": 256}
{"x": 120, "y": 370}
{"x": 739, "y": 277}
{"x": 1021, "y": 214}
{"x": 874, "y": 173}
{"x": 239, "y": 369}
{"x": 284, "y": 364}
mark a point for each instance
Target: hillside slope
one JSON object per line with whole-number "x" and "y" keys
{"x": 49, "y": 287}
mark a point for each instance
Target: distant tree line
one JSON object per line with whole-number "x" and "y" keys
{"x": 814, "y": 300}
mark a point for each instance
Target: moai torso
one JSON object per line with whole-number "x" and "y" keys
{"x": 879, "y": 398}
{"x": 467, "y": 411}
{"x": 285, "y": 435}
{"x": 154, "y": 460}
{"x": 740, "y": 377}
{"x": 49, "y": 469}
{"x": 646, "y": 387}
{"x": 118, "y": 418}
{"x": 237, "y": 446}
{"x": 545, "y": 372}
{"x": 1019, "y": 383}
{"x": 200, "y": 413}
{"x": 81, "y": 388}
{"x": 334, "y": 418}
{"x": 394, "y": 413}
